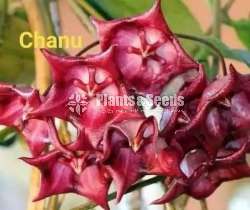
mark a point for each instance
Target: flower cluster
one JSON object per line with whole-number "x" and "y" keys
{"x": 195, "y": 147}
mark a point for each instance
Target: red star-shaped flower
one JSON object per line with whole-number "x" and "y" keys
{"x": 147, "y": 53}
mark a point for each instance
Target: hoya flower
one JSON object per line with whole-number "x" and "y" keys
{"x": 134, "y": 150}
{"x": 203, "y": 178}
{"x": 80, "y": 93}
{"x": 215, "y": 139}
{"x": 220, "y": 111}
{"x": 82, "y": 175}
{"x": 15, "y": 104}
{"x": 122, "y": 142}
{"x": 147, "y": 53}
{"x": 89, "y": 173}
{"x": 84, "y": 78}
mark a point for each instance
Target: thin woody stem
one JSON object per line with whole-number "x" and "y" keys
{"x": 84, "y": 50}
{"x": 216, "y": 27}
{"x": 228, "y": 5}
{"x": 217, "y": 18}
{"x": 64, "y": 133}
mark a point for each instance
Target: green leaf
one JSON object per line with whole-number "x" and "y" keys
{"x": 242, "y": 28}
{"x": 16, "y": 63}
{"x": 20, "y": 12}
{"x": 178, "y": 15}
{"x": 7, "y": 137}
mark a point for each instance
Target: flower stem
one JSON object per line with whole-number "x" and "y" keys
{"x": 64, "y": 133}
{"x": 87, "y": 48}
{"x": 135, "y": 201}
{"x": 112, "y": 196}
{"x": 52, "y": 203}
{"x": 203, "y": 204}
{"x": 170, "y": 206}
{"x": 34, "y": 188}
{"x": 181, "y": 202}
{"x": 217, "y": 18}
{"x": 228, "y": 5}
{"x": 216, "y": 28}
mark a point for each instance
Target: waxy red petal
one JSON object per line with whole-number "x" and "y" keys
{"x": 36, "y": 133}
{"x": 94, "y": 183}
{"x": 56, "y": 176}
